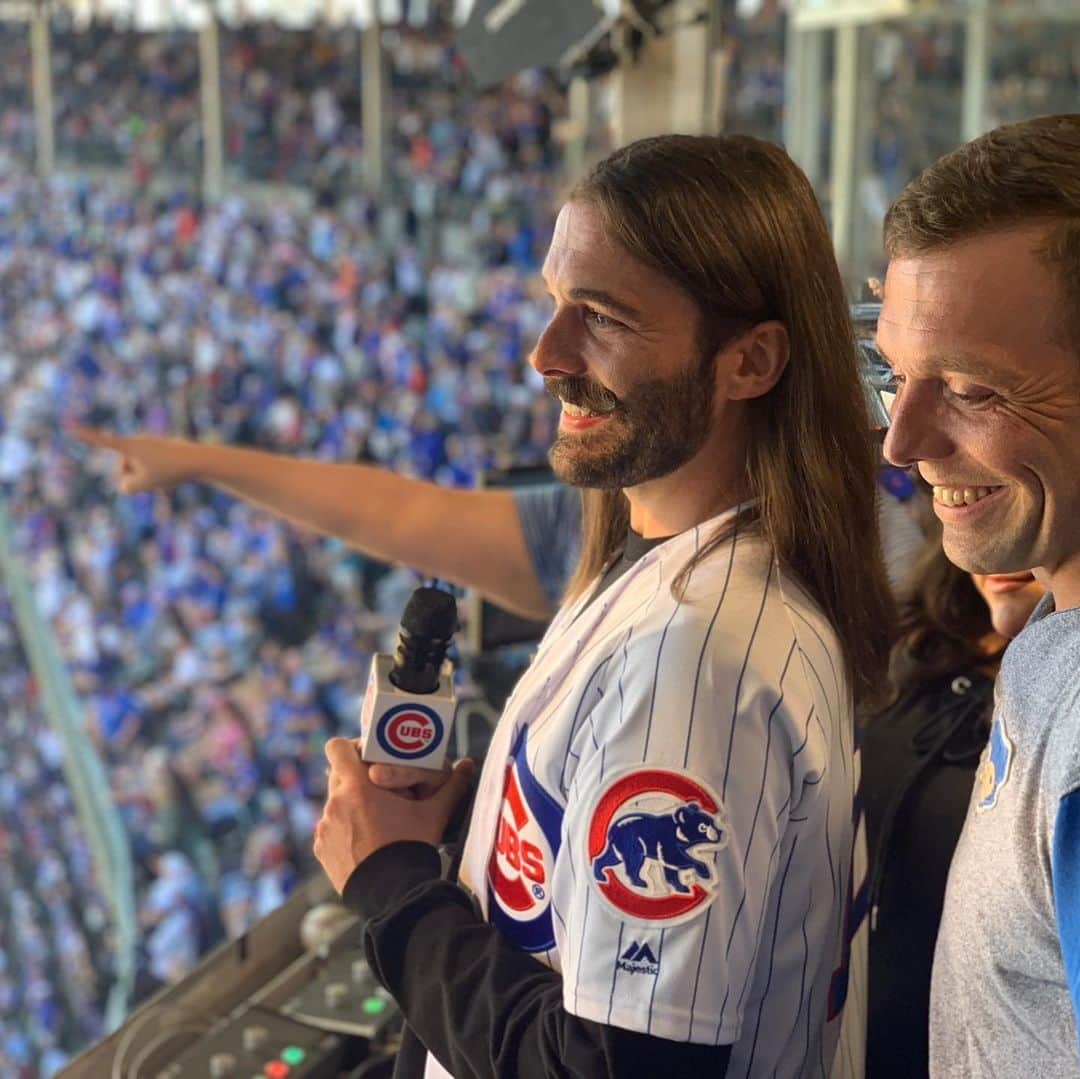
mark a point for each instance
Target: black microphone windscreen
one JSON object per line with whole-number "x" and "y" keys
{"x": 430, "y": 613}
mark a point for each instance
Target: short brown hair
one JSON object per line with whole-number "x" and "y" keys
{"x": 734, "y": 222}
{"x": 1015, "y": 175}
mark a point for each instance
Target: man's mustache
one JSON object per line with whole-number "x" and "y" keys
{"x": 582, "y": 392}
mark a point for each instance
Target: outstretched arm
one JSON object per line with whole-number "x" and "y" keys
{"x": 472, "y": 538}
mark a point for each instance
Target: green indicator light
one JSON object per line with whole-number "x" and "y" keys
{"x": 373, "y": 1005}
{"x": 293, "y": 1054}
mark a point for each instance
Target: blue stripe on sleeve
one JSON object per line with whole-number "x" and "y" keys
{"x": 1065, "y": 869}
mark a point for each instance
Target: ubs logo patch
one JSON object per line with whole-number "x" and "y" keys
{"x": 995, "y": 766}
{"x": 522, "y": 859}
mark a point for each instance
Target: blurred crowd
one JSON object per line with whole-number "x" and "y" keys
{"x": 291, "y": 101}
{"x": 16, "y": 108}
{"x": 918, "y": 78}
{"x": 126, "y": 98}
{"x": 913, "y": 97}
{"x": 213, "y": 648}
{"x": 293, "y": 113}
{"x": 54, "y": 930}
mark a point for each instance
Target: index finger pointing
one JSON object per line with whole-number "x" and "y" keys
{"x": 94, "y": 437}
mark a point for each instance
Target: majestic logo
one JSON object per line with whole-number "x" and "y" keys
{"x": 652, "y": 843}
{"x": 995, "y": 766}
{"x": 638, "y": 959}
{"x": 519, "y": 870}
{"x": 409, "y": 731}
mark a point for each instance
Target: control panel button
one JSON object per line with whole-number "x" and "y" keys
{"x": 254, "y": 1038}
{"x": 360, "y": 970}
{"x": 221, "y": 1065}
{"x": 335, "y": 994}
{"x": 373, "y": 1006}
{"x": 293, "y": 1055}
{"x": 276, "y": 1069}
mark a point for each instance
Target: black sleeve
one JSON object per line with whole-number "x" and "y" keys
{"x": 485, "y": 1008}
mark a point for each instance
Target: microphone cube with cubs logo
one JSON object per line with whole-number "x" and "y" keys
{"x": 397, "y": 727}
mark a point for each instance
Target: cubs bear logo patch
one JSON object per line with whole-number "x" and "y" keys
{"x": 651, "y": 845}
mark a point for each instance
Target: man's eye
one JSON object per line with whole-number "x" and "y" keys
{"x": 601, "y": 321}
{"x": 974, "y": 395}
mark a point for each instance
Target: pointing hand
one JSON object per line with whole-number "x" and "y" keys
{"x": 147, "y": 462}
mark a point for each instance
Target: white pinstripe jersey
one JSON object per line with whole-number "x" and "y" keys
{"x": 666, "y": 811}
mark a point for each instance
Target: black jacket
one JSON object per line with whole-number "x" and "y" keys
{"x": 485, "y": 1008}
{"x": 918, "y": 766}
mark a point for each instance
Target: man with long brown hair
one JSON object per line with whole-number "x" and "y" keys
{"x": 661, "y": 844}
{"x": 665, "y": 819}
{"x": 981, "y": 322}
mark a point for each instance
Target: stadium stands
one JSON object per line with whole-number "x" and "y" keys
{"x": 214, "y": 648}
{"x": 53, "y": 924}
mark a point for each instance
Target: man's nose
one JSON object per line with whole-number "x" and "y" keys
{"x": 917, "y": 431}
{"x": 557, "y": 352}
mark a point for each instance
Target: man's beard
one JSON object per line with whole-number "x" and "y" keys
{"x": 654, "y": 429}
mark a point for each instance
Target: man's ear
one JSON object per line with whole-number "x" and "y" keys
{"x": 756, "y": 359}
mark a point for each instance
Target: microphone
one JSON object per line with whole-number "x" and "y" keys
{"x": 409, "y": 702}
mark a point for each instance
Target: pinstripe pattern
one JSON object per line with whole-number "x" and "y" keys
{"x": 740, "y": 688}
{"x": 701, "y": 656}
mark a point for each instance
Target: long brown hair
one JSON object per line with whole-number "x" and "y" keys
{"x": 734, "y": 222}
